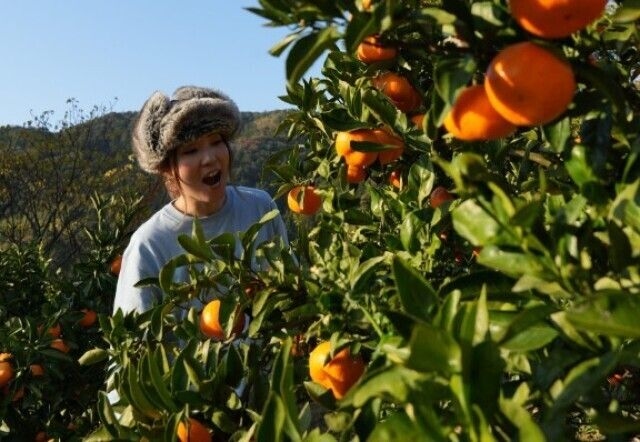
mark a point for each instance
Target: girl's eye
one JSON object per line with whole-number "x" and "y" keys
{"x": 189, "y": 151}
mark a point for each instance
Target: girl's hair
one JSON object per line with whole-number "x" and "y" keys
{"x": 168, "y": 169}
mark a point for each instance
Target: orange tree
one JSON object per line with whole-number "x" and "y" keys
{"x": 48, "y": 324}
{"x": 502, "y": 306}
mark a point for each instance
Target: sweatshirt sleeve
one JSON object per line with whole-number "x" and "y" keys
{"x": 139, "y": 261}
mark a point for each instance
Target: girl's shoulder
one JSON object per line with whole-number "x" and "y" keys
{"x": 158, "y": 225}
{"x": 252, "y": 194}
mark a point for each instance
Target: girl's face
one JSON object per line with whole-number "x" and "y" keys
{"x": 203, "y": 172}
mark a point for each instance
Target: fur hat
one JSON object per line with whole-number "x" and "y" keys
{"x": 165, "y": 123}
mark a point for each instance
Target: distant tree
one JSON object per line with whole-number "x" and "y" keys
{"x": 49, "y": 172}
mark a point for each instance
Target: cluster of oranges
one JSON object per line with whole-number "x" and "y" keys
{"x": 404, "y": 96}
{"x": 525, "y": 84}
{"x": 7, "y": 370}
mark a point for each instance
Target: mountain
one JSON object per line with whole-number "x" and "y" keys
{"x": 110, "y": 134}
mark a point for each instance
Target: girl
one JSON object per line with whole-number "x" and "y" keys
{"x": 185, "y": 139}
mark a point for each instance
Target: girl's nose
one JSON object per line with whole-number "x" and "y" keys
{"x": 209, "y": 155}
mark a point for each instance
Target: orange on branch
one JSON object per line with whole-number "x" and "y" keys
{"x": 439, "y": 196}
{"x": 90, "y": 317}
{"x": 355, "y": 157}
{"x": 54, "y": 331}
{"x": 399, "y": 90}
{"x": 555, "y": 18}
{"x": 17, "y": 395}
{"x": 473, "y": 118}
{"x": 307, "y": 203}
{"x": 193, "y": 431}
{"x": 371, "y": 50}
{"x": 36, "y": 370}
{"x": 529, "y": 85}
{"x": 395, "y": 179}
{"x": 60, "y": 345}
{"x": 389, "y": 155}
{"x": 339, "y": 373}
{"x": 115, "y": 265}
{"x": 356, "y": 174}
{"x": 210, "y": 321}
{"x": 6, "y": 369}
{"x": 418, "y": 120}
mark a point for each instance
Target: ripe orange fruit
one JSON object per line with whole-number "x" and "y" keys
{"x": 193, "y": 431}
{"x": 115, "y": 265}
{"x": 339, "y": 374}
{"x": 210, "y": 321}
{"x": 418, "y": 120}
{"x": 54, "y": 331}
{"x": 36, "y": 370}
{"x": 395, "y": 179}
{"x": 399, "y": 90}
{"x": 60, "y": 345}
{"x": 307, "y": 204}
{"x": 529, "y": 85}
{"x": 555, "y": 18}
{"x": 90, "y": 317}
{"x": 356, "y": 174}
{"x": 439, "y": 196}
{"x": 354, "y": 157}
{"x": 389, "y": 155}
{"x": 371, "y": 50}
{"x": 41, "y": 436}
{"x": 473, "y": 118}
{"x": 17, "y": 395}
{"x": 6, "y": 369}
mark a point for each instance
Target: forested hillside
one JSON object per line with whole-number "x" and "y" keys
{"x": 50, "y": 171}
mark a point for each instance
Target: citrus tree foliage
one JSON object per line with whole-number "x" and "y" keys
{"x": 490, "y": 287}
{"x": 49, "y": 321}
{"x": 505, "y": 310}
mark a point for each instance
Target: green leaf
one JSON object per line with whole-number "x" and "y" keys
{"x": 527, "y": 323}
{"x": 474, "y": 323}
{"x": 394, "y": 382}
{"x": 582, "y": 378}
{"x": 619, "y": 251}
{"x": 193, "y": 246}
{"x": 409, "y": 230}
{"x": 451, "y": 75}
{"x": 472, "y": 222}
{"x": 432, "y": 349}
{"x": 612, "y": 313}
{"x": 528, "y": 430}
{"x": 168, "y": 270}
{"x": 93, "y": 356}
{"x": 156, "y": 364}
{"x": 398, "y": 427}
{"x": 628, "y": 12}
{"x": 557, "y": 134}
{"x": 361, "y": 276}
{"x": 307, "y": 50}
{"x": 416, "y": 295}
{"x": 277, "y": 49}
{"x": 512, "y": 263}
{"x": 273, "y": 419}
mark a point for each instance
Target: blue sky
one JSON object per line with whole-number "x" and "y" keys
{"x": 98, "y": 50}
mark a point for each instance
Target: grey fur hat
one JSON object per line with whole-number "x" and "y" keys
{"x": 165, "y": 123}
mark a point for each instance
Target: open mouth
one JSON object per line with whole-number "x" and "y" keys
{"x": 212, "y": 178}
